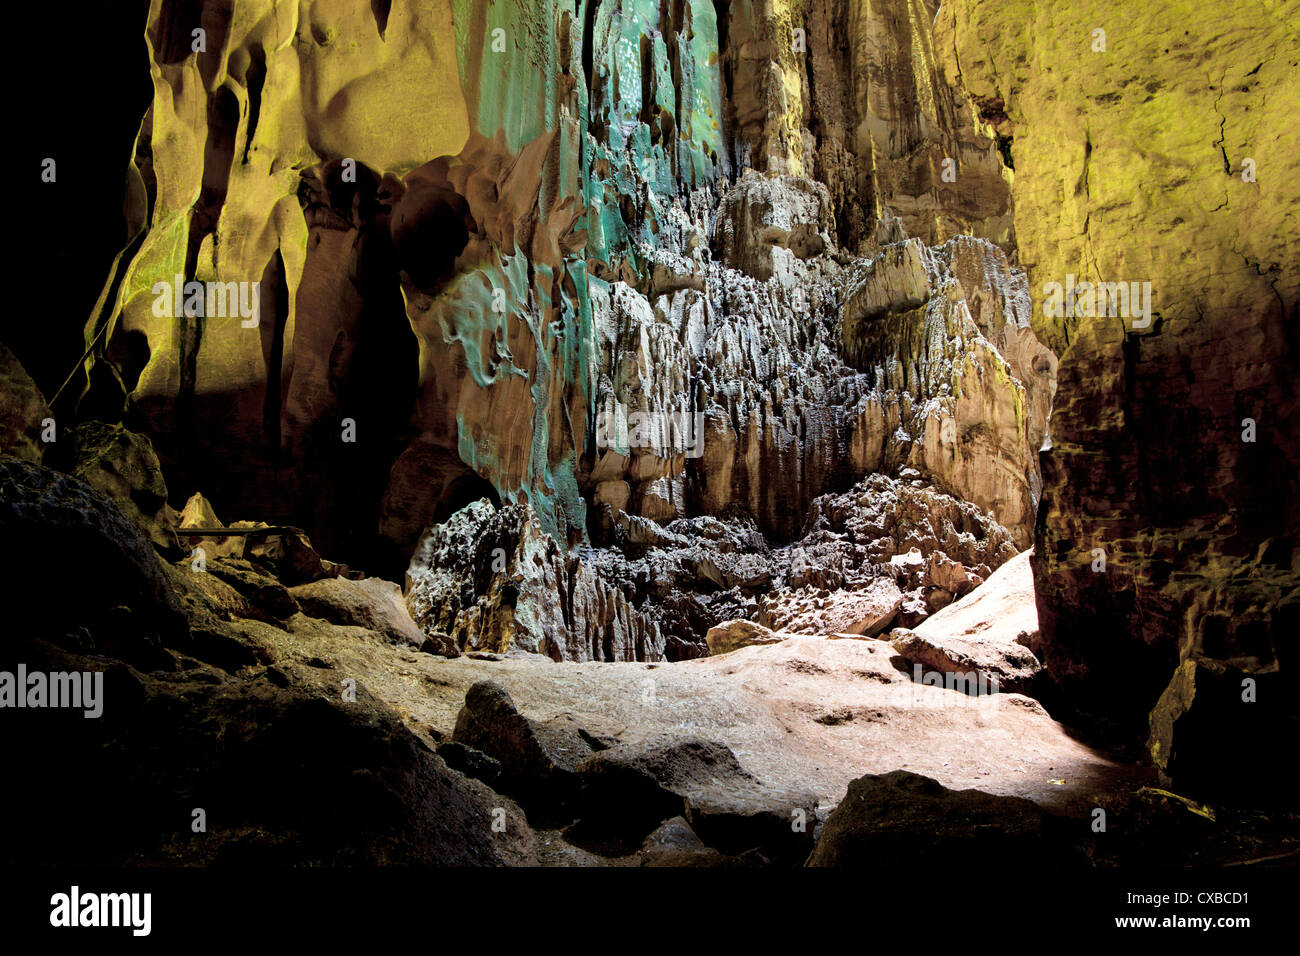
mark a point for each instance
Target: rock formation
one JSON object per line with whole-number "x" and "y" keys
{"x": 474, "y": 298}
{"x": 555, "y": 356}
{"x": 1166, "y": 562}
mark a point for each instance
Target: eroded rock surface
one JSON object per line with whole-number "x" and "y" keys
{"x": 472, "y": 298}
{"x": 1174, "y": 437}
{"x": 494, "y": 580}
{"x": 22, "y": 410}
{"x": 992, "y": 633}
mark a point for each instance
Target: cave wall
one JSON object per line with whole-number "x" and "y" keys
{"x": 441, "y": 272}
{"x": 1164, "y": 151}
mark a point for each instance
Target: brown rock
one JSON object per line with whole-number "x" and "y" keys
{"x": 952, "y": 576}
{"x": 733, "y": 635}
{"x": 122, "y": 465}
{"x": 1149, "y": 468}
{"x": 866, "y": 611}
{"x": 123, "y": 597}
{"x": 493, "y": 580}
{"x": 1215, "y": 732}
{"x": 630, "y": 789}
{"x": 986, "y": 632}
{"x": 907, "y": 816}
{"x": 999, "y": 667}
{"x": 372, "y": 603}
{"x": 539, "y": 759}
{"x": 674, "y": 843}
{"x": 22, "y": 410}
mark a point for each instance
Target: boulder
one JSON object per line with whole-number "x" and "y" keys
{"x": 470, "y": 762}
{"x": 912, "y": 819}
{"x": 539, "y": 759}
{"x": 59, "y": 533}
{"x": 733, "y": 635}
{"x": 257, "y": 585}
{"x": 436, "y": 642}
{"x": 675, "y": 844}
{"x": 630, "y": 789}
{"x": 372, "y": 603}
{"x": 910, "y": 567}
{"x": 865, "y": 610}
{"x": 1012, "y": 666}
{"x": 989, "y": 631}
{"x": 952, "y": 576}
{"x": 338, "y": 783}
{"x": 121, "y": 464}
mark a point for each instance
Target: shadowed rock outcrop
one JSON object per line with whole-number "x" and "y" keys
{"x": 23, "y": 410}
{"x": 494, "y": 580}
{"x": 913, "y": 819}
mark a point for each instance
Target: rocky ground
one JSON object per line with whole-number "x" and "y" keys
{"x": 300, "y": 708}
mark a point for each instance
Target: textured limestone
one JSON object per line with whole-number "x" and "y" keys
{"x": 856, "y": 99}
{"x": 438, "y": 270}
{"x": 670, "y": 279}
{"x": 628, "y": 789}
{"x": 279, "y": 155}
{"x": 121, "y": 465}
{"x": 43, "y": 512}
{"x": 494, "y": 580}
{"x": 1003, "y": 610}
{"x": 764, "y": 395}
{"x": 1132, "y": 166}
{"x": 372, "y": 603}
{"x": 866, "y": 611}
{"x": 887, "y": 551}
{"x": 906, "y": 814}
{"x": 731, "y": 635}
{"x": 965, "y": 416}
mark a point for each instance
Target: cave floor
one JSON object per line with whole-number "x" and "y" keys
{"x": 806, "y": 715}
{"x": 809, "y": 713}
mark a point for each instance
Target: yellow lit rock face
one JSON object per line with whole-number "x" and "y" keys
{"x": 1129, "y": 160}
{"x": 390, "y": 101}
{"x": 851, "y": 94}
{"x": 1164, "y": 152}
{"x": 249, "y": 120}
{"x": 398, "y": 258}
{"x": 767, "y": 87}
